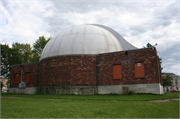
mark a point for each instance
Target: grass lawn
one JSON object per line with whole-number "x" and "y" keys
{"x": 136, "y": 97}
{"x": 89, "y": 106}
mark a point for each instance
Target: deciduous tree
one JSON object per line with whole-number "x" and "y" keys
{"x": 9, "y": 57}
{"x": 38, "y": 47}
{"x": 24, "y": 50}
{"x": 167, "y": 80}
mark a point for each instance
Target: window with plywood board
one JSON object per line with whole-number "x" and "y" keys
{"x": 16, "y": 78}
{"x": 139, "y": 70}
{"x": 27, "y": 75}
{"x": 117, "y": 72}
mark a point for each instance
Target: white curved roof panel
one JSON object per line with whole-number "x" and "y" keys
{"x": 85, "y": 40}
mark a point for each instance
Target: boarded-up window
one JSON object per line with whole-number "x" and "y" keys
{"x": 27, "y": 77}
{"x": 117, "y": 72}
{"x": 16, "y": 78}
{"x": 139, "y": 70}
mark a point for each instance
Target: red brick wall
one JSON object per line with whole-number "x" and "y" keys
{"x": 68, "y": 70}
{"x": 127, "y": 59}
{"x": 82, "y": 69}
{"x": 31, "y": 68}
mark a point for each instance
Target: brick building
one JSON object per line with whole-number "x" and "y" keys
{"x": 90, "y": 59}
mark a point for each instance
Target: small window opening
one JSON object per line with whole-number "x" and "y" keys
{"x": 126, "y": 53}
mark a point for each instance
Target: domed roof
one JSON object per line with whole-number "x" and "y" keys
{"x": 85, "y": 40}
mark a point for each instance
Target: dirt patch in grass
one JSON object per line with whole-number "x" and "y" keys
{"x": 166, "y": 100}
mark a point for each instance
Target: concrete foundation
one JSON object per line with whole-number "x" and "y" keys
{"x": 79, "y": 90}
{"x": 28, "y": 90}
{"x": 154, "y": 88}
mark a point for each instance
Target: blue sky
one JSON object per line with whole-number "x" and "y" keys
{"x": 138, "y": 21}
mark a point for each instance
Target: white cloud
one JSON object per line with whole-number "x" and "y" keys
{"x": 23, "y": 24}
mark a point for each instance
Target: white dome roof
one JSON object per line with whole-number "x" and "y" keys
{"x": 84, "y": 40}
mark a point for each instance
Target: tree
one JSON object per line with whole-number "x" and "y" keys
{"x": 34, "y": 58}
{"x": 24, "y": 50}
{"x": 149, "y": 45}
{"x": 9, "y": 57}
{"x": 38, "y": 47}
{"x": 167, "y": 80}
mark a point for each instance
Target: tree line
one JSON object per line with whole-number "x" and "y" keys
{"x": 20, "y": 53}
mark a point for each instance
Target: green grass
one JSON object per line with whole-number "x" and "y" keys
{"x": 88, "y": 106}
{"x": 53, "y": 108}
{"x": 136, "y": 97}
